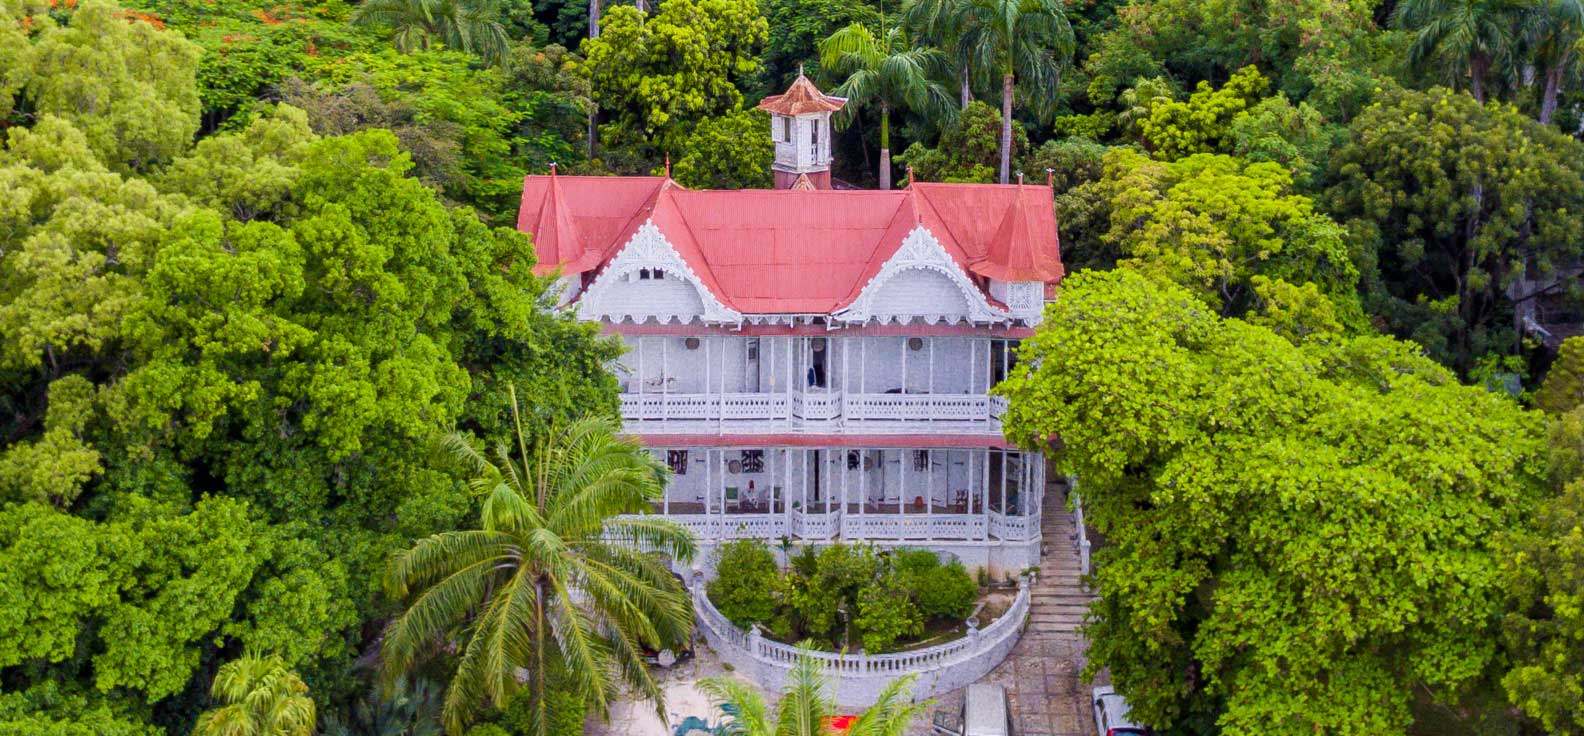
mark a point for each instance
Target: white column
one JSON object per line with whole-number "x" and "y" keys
{"x": 931, "y": 364}
{"x": 905, "y": 351}
{"x": 665, "y": 491}
{"x": 863, "y": 480}
{"x": 640, "y": 366}
{"x": 929, "y": 494}
{"x": 845, "y": 479}
{"x": 805, "y": 483}
{"x": 665, "y": 390}
{"x": 984, "y": 489}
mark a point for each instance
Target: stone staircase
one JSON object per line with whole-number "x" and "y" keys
{"x": 1058, "y": 601}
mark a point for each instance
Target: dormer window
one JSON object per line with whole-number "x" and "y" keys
{"x": 645, "y": 274}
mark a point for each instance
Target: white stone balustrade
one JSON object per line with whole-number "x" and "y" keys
{"x": 858, "y": 679}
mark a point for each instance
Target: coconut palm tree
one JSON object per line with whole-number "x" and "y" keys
{"x": 889, "y": 72}
{"x": 262, "y": 696}
{"x": 472, "y": 26}
{"x": 1553, "y": 36}
{"x": 806, "y": 705}
{"x": 1025, "y": 42}
{"x": 554, "y": 584}
{"x": 1473, "y": 37}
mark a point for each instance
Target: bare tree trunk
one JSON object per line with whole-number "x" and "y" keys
{"x": 1006, "y": 128}
{"x": 885, "y": 147}
{"x": 967, "y": 92}
{"x": 642, "y": 6}
{"x": 594, "y": 18}
{"x": 1477, "y": 69}
{"x": 1548, "y": 95}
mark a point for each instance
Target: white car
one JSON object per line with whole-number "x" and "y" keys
{"x": 1111, "y": 715}
{"x": 984, "y": 712}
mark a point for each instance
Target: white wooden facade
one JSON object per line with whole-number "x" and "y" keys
{"x": 815, "y": 363}
{"x": 770, "y": 422}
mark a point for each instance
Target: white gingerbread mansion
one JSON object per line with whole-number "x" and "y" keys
{"x": 811, "y": 363}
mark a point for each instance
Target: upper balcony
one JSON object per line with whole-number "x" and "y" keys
{"x": 813, "y": 385}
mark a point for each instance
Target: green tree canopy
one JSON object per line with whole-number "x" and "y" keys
{"x": 1299, "y": 537}
{"x": 129, "y": 87}
{"x": 728, "y": 152}
{"x": 1212, "y": 223}
{"x": 657, "y": 76}
{"x": 1457, "y": 201}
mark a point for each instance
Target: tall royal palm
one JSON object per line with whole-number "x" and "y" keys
{"x": 1553, "y": 36}
{"x": 556, "y": 584}
{"x": 1470, "y": 38}
{"x": 935, "y": 22}
{"x": 805, "y": 705}
{"x": 1024, "y": 42}
{"x": 471, "y": 26}
{"x": 888, "y": 72}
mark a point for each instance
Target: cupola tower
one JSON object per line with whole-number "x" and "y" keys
{"x": 800, "y": 125}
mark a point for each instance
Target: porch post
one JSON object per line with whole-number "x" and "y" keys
{"x": 931, "y": 365}
{"x": 791, "y": 378}
{"x": 720, "y": 396}
{"x": 846, "y": 383}
{"x": 805, "y": 484}
{"x": 905, "y": 351}
{"x": 665, "y": 492}
{"x": 863, "y": 480}
{"x": 929, "y": 481}
{"x": 665, "y": 391}
{"x": 640, "y": 369}
{"x": 984, "y": 489}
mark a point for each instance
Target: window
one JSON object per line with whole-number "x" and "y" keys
{"x": 814, "y": 136}
{"x": 677, "y": 460}
{"x": 921, "y": 460}
{"x": 786, "y": 129}
{"x": 645, "y": 274}
{"x": 753, "y": 461}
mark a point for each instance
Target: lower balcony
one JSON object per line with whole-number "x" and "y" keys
{"x": 853, "y": 494}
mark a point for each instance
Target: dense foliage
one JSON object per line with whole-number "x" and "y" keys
{"x": 252, "y": 266}
{"x": 1299, "y": 536}
{"x": 841, "y": 594}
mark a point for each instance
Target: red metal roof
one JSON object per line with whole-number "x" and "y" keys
{"x": 802, "y": 98}
{"x": 766, "y": 251}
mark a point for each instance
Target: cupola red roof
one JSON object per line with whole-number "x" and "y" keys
{"x": 767, "y": 251}
{"x": 802, "y": 98}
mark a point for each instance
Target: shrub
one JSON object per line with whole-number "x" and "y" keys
{"x": 941, "y": 591}
{"x": 745, "y": 582}
{"x": 886, "y": 614}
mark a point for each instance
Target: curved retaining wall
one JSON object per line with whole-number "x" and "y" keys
{"x": 857, "y": 679}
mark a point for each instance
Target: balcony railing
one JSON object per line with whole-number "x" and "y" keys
{"x": 814, "y": 525}
{"x": 913, "y": 526}
{"x": 819, "y": 410}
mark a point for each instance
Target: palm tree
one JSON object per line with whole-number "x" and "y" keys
{"x": 888, "y": 71}
{"x": 262, "y": 696}
{"x": 934, "y": 22}
{"x": 1553, "y": 32}
{"x": 806, "y": 704}
{"x": 1474, "y": 36}
{"x": 1027, "y": 41}
{"x": 472, "y": 26}
{"x": 556, "y": 584}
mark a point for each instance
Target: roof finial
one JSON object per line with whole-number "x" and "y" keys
{"x": 1020, "y": 178}
{"x": 668, "y": 165}
{"x": 800, "y": 68}
{"x": 552, "y": 168}
{"x": 910, "y": 177}
{"x": 1050, "y": 178}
